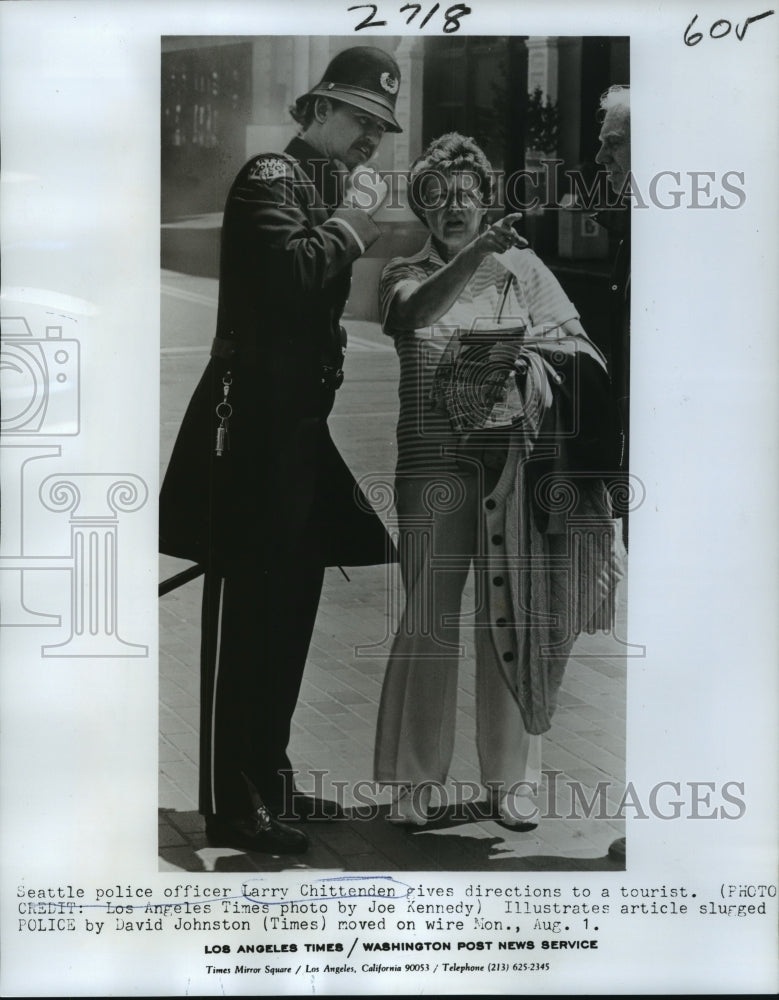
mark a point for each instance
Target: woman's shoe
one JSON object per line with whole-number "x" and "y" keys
{"x": 410, "y": 804}
{"x": 517, "y": 811}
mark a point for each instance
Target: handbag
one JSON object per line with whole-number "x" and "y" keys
{"x": 475, "y": 385}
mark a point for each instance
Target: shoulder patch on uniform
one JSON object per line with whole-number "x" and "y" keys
{"x": 269, "y": 168}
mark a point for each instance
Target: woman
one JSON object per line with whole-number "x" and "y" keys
{"x": 466, "y": 275}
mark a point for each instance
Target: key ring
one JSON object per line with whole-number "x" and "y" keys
{"x": 223, "y": 411}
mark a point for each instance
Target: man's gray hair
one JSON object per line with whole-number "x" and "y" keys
{"x": 617, "y": 96}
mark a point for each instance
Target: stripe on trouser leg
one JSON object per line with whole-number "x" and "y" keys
{"x": 213, "y": 693}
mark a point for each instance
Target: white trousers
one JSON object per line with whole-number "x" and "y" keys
{"x": 440, "y": 535}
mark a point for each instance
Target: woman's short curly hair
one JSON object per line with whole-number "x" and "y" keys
{"x": 446, "y": 155}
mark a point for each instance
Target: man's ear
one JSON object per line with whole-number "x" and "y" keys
{"x": 322, "y": 108}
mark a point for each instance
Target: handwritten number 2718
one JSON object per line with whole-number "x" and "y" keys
{"x": 452, "y": 15}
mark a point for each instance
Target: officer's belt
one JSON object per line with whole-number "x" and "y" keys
{"x": 227, "y": 349}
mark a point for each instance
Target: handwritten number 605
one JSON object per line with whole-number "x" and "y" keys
{"x": 721, "y": 28}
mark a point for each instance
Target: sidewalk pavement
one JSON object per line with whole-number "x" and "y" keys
{"x": 334, "y": 724}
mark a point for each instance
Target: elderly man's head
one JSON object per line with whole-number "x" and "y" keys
{"x": 614, "y": 152}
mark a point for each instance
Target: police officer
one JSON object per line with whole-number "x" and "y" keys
{"x": 256, "y": 490}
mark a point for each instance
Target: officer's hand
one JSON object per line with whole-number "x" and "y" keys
{"x": 365, "y": 189}
{"x": 500, "y": 237}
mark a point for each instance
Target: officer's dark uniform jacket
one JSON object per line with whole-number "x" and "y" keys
{"x": 617, "y": 222}
{"x": 286, "y": 262}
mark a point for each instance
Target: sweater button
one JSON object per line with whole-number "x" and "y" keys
{"x": 508, "y": 657}
{"x": 497, "y": 539}
{"x": 500, "y": 621}
{"x": 498, "y": 581}
{"x": 490, "y": 504}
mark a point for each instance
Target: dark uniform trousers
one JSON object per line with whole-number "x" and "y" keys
{"x": 256, "y": 630}
{"x": 258, "y": 617}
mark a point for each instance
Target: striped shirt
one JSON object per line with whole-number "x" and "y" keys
{"x": 426, "y": 440}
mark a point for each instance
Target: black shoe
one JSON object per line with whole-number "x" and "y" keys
{"x": 259, "y": 832}
{"x": 618, "y": 849}
{"x": 303, "y": 808}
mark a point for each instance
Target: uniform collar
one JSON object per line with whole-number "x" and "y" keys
{"x": 305, "y": 154}
{"x": 325, "y": 176}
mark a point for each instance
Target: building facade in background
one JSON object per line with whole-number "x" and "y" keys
{"x": 227, "y": 98}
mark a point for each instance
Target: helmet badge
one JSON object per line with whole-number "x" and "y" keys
{"x": 389, "y": 83}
